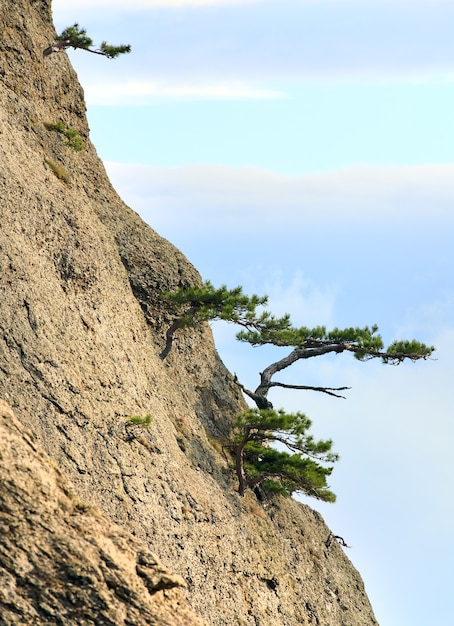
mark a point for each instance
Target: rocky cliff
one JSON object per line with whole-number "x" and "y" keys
{"x": 61, "y": 560}
{"x": 81, "y": 328}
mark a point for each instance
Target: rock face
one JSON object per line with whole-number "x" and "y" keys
{"x": 81, "y": 328}
{"x": 61, "y": 560}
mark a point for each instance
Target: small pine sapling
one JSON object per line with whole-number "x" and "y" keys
{"x": 76, "y": 37}
{"x": 298, "y": 468}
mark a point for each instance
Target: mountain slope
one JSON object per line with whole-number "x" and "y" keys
{"x": 81, "y": 328}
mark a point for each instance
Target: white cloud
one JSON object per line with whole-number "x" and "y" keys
{"x": 310, "y": 304}
{"x": 293, "y": 41}
{"x": 144, "y": 92}
{"x": 262, "y": 199}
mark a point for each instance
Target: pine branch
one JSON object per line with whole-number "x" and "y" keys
{"x": 76, "y": 37}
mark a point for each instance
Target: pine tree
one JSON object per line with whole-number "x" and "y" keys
{"x": 193, "y": 305}
{"x": 257, "y": 463}
{"x": 76, "y": 37}
{"x": 298, "y": 469}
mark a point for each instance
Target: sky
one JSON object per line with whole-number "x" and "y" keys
{"x": 304, "y": 149}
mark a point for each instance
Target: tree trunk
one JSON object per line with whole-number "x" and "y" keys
{"x": 242, "y": 480}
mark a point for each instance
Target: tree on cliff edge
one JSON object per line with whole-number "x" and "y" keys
{"x": 259, "y": 465}
{"x": 76, "y": 37}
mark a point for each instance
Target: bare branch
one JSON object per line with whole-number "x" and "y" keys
{"x": 327, "y": 390}
{"x": 89, "y": 50}
{"x": 340, "y": 540}
{"x": 58, "y": 46}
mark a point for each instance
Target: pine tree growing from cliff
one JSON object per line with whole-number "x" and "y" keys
{"x": 76, "y": 37}
{"x": 259, "y": 465}
{"x": 296, "y": 469}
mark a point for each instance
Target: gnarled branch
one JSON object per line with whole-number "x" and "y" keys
{"x": 260, "y": 400}
{"x": 327, "y": 390}
{"x": 177, "y": 323}
{"x": 339, "y": 539}
{"x": 57, "y": 46}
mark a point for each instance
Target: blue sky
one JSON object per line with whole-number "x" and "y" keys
{"x": 306, "y": 150}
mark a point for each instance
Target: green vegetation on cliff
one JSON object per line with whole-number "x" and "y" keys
{"x": 258, "y": 465}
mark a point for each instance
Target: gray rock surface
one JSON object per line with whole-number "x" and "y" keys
{"x": 81, "y": 328}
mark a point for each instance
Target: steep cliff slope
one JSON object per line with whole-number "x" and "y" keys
{"x": 61, "y": 560}
{"x": 81, "y": 327}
